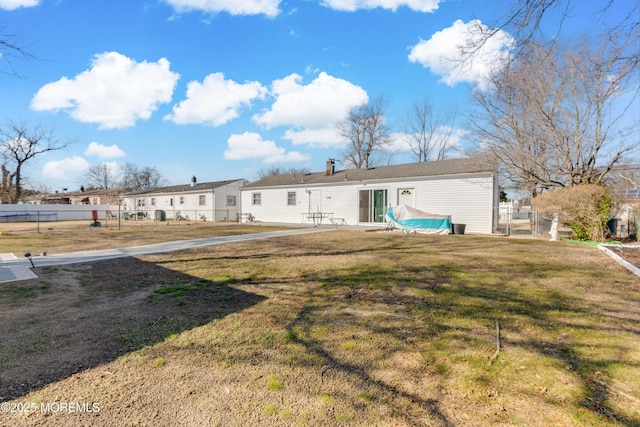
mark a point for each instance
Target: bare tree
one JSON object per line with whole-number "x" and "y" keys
{"x": 367, "y": 132}
{"x": 140, "y": 178}
{"x": 10, "y": 52}
{"x": 525, "y": 19}
{"x": 591, "y": 134}
{"x": 428, "y": 134}
{"x": 556, "y": 118}
{"x": 22, "y": 143}
{"x": 505, "y": 126}
{"x": 276, "y": 171}
{"x": 102, "y": 176}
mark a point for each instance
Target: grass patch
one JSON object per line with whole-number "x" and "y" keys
{"x": 349, "y": 345}
{"x": 270, "y": 410}
{"x": 326, "y": 399}
{"x": 159, "y": 362}
{"x": 18, "y": 293}
{"x": 591, "y": 243}
{"x": 273, "y": 383}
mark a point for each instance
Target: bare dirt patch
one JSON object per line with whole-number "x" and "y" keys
{"x": 78, "y": 317}
{"x": 337, "y": 328}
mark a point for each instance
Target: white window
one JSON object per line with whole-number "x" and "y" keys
{"x": 202, "y": 200}
{"x": 256, "y": 199}
{"x": 182, "y": 200}
{"x": 153, "y": 201}
{"x": 231, "y": 200}
{"x": 291, "y": 198}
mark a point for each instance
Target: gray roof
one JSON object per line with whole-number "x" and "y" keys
{"x": 184, "y": 188}
{"x": 476, "y": 165}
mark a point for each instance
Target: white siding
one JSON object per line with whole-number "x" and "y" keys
{"x": 224, "y": 212}
{"x": 273, "y": 204}
{"x": 467, "y": 199}
{"x": 187, "y": 203}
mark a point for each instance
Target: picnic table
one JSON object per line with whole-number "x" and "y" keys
{"x": 244, "y": 217}
{"x": 316, "y": 217}
{"x": 135, "y": 216}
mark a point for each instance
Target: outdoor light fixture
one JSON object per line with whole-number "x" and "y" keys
{"x": 28, "y": 256}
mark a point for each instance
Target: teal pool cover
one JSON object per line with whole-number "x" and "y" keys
{"x": 406, "y": 218}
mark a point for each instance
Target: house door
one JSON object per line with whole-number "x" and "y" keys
{"x": 405, "y": 197}
{"x": 315, "y": 200}
{"x": 372, "y": 205}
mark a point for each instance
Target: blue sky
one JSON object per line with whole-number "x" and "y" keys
{"x": 221, "y": 89}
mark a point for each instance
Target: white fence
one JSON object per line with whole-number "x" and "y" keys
{"x": 38, "y": 213}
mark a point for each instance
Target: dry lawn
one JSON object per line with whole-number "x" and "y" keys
{"x": 70, "y": 236}
{"x": 336, "y": 328}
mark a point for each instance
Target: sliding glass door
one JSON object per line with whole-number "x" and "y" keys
{"x": 372, "y": 205}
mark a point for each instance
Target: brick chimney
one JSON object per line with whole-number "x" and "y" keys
{"x": 331, "y": 167}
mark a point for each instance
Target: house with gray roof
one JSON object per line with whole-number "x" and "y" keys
{"x": 464, "y": 189}
{"x": 207, "y": 201}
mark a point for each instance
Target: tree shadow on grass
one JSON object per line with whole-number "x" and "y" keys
{"x": 300, "y": 333}
{"x": 78, "y": 317}
{"x": 455, "y": 291}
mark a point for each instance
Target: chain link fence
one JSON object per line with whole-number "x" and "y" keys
{"x": 200, "y": 215}
{"x": 42, "y": 218}
{"x": 522, "y": 221}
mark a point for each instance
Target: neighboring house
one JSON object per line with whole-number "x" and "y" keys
{"x": 109, "y": 196}
{"x": 207, "y": 201}
{"x": 465, "y": 189}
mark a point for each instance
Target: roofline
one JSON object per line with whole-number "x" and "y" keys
{"x": 186, "y": 188}
{"x": 373, "y": 181}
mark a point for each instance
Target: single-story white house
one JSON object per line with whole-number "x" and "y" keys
{"x": 464, "y": 189}
{"x": 207, "y": 201}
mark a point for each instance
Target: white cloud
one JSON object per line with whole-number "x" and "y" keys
{"x": 312, "y": 110}
{"x": 58, "y": 169}
{"x": 15, "y": 4}
{"x": 215, "y": 101}
{"x": 324, "y": 101}
{"x": 442, "y": 53}
{"x": 250, "y": 145}
{"x": 103, "y": 151}
{"x": 398, "y": 142}
{"x": 114, "y": 93}
{"x": 232, "y": 7}
{"x": 324, "y": 137}
{"x": 353, "y": 5}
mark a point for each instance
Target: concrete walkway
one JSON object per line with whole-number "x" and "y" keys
{"x": 18, "y": 268}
